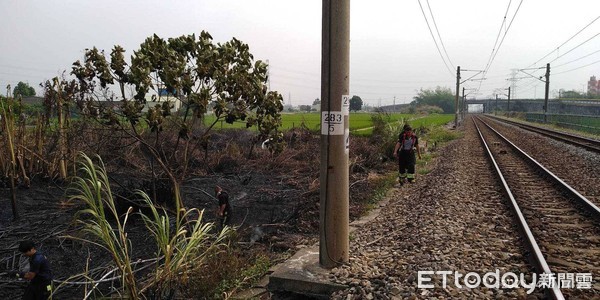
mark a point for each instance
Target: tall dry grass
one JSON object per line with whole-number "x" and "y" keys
{"x": 183, "y": 241}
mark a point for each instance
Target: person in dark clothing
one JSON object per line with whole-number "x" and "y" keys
{"x": 224, "y": 209}
{"x": 39, "y": 274}
{"x": 407, "y": 145}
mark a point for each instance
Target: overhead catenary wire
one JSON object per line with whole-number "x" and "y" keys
{"x": 561, "y": 65}
{"x": 502, "y": 40}
{"x": 495, "y": 50}
{"x": 569, "y": 39}
{"x": 530, "y": 86}
{"x": 581, "y": 44}
{"x": 558, "y": 66}
{"x": 598, "y": 61}
{"x": 530, "y": 83}
{"x": 434, "y": 40}
{"x": 439, "y": 35}
{"x": 286, "y": 77}
{"x": 497, "y": 37}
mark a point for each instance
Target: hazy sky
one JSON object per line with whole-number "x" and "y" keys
{"x": 392, "y": 52}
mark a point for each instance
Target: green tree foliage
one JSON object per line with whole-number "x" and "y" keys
{"x": 385, "y": 132}
{"x": 200, "y": 73}
{"x": 192, "y": 69}
{"x": 356, "y": 103}
{"x": 316, "y": 102}
{"x": 428, "y": 109}
{"x": 306, "y": 108}
{"x": 23, "y": 90}
{"x": 440, "y": 96}
{"x": 572, "y": 94}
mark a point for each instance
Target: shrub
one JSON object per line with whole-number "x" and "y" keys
{"x": 183, "y": 244}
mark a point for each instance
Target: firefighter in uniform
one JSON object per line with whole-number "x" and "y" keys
{"x": 39, "y": 274}
{"x": 405, "y": 149}
{"x": 224, "y": 209}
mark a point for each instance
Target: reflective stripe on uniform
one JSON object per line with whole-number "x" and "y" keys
{"x": 410, "y": 176}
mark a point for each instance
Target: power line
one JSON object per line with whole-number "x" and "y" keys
{"x": 557, "y": 66}
{"x": 569, "y": 39}
{"x": 578, "y": 68}
{"x": 439, "y": 36}
{"x": 433, "y": 37}
{"x": 576, "y": 47}
{"x": 495, "y": 49}
{"x": 531, "y": 84}
{"x": 497, "y": 36}
{"x": 504, "y": 36}
{"x": 578, "y": 32}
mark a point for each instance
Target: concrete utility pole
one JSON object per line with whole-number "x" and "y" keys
{"x": 547, "y": 92}
{"x": 334, "y": 180}
{"x": 456, "y": 98}
{"x": 465, "y": 107}
{"x": 462, "y": 106}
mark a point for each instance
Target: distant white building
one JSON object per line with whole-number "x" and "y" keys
{"x": 161, "y": 97}
{"x": 153, "y": 100}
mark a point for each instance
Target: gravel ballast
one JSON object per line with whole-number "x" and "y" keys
{"x": 452, "y": 219}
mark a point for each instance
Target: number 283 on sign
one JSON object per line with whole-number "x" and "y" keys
{"x": 332, "y": 123}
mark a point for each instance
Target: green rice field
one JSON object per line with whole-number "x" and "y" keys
{"x": 360, "y": 123}
{"x": 415, "y": 121}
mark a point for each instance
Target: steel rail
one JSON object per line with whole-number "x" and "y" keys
{"x": 538, "y": 257}
{"x": 589, "y": 205}
{"x": 587, "y": 143}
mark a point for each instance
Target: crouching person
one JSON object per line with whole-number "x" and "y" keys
{"x": 39, "y": 274}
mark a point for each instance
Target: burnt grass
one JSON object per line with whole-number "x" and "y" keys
{"x": 275, "y": 200}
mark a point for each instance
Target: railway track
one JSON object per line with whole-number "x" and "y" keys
{"x": 560, "y": 226}
{"x": 579, "y": 141}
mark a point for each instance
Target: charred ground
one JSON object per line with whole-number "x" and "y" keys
{"x": 275, "y": 198}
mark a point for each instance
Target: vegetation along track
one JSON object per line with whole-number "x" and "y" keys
{"x": 579, "y": 141}
{"x": 563, "y": 226}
